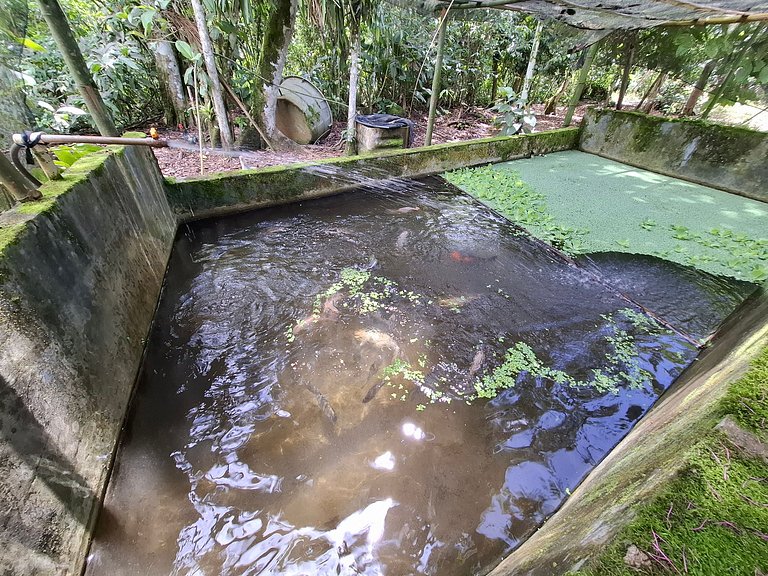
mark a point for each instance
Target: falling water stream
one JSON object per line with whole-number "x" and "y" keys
{"x": 309, "y": 402}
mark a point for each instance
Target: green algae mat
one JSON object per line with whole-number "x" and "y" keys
{"x": 582, "y": 204}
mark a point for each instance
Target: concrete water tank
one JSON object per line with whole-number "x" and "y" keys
{"x": 303, "y": 114}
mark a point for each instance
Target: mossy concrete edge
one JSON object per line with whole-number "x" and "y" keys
{"x": 650, "y": 455}
{"x": 728, "y": 158}
{"x": 80, "y": 274}
{"x": 239, "y": 191}
{"x": 12, "y": 222}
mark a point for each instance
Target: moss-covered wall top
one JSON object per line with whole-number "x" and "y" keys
{"x": 725, "y": 157}
{"x": 242, "y": 190}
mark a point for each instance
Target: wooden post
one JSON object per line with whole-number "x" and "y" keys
{"x": 579, "y": 88}
{"x": 436, "y": 77}
{"x": 65, "y": 40}
{"x": 15, "y": 183}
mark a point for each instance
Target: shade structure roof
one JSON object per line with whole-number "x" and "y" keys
{"x": 624, "y": 14}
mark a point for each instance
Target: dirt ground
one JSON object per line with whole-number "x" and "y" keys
{"x": 456, "y": 126}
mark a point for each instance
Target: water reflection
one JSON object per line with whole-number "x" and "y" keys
{"x": 306, "y": 406}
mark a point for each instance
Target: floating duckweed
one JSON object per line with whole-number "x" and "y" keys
{"x": 506, "y": 192}
{"x": 621, "y": 367}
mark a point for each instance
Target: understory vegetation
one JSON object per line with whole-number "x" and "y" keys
{"x": 713, "y": 517}
{"x": 149, "y": 62}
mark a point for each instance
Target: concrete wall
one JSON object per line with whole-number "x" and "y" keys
{"x": 233, "y": 192}
{"x": 724, "y": 157}
{"x": 80, "y": 274}
{"x": 648, "y": 456}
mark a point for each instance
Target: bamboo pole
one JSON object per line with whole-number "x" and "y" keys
{"x": 579, "y": 88}
{"x": 436, "y": 78}
{"x": 65, "y": 40}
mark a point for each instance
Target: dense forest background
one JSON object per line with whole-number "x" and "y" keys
{"x": 147, "y": 61}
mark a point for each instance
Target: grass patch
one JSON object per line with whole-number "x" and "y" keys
{"x": 747, "y": 399}
{"x": 713, "y": 517}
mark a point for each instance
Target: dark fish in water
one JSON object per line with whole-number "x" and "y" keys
{"x": 372, "y": 391}
{"x": 477, "y": 364}
{"x": 462, "y": 258}
{"x": 323, "y": 404}
{"x": 404, "y": 210}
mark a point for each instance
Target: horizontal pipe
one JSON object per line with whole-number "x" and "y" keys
{"x": 75, "y": 139}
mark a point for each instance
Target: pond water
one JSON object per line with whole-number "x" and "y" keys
{"x": 390, "y": 381}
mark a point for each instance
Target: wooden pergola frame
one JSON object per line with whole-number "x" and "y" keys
{"x": 711, "y": 16}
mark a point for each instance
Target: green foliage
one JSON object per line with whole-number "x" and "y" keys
{"x": 620, "y": 368}
{"x": 504, "y": 191}
{"x": 514, "y": 117}
{"x": 68, "y": 155}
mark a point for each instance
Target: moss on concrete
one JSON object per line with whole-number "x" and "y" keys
{"x": 247, "y": 189}
{"x": 747, "y": 400}
{"x": 53, "y": 189}
{"x": 712, "y": 518}
{"x": 8, "y": 235}
{"x": 725, "y": 157}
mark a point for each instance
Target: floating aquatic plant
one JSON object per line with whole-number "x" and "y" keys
{"x": 505, "y": 192}
{"x": 621, "y": 364}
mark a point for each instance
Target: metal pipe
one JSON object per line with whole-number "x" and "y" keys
{"x": 75, "y": 139}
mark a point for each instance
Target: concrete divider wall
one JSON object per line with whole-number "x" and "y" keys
{"x": 80, "y": 275}
{"x": 725, "y": 157}
{"x": 233, "y": 192}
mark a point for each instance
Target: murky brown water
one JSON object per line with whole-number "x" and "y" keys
{"x": 264, "y": 438}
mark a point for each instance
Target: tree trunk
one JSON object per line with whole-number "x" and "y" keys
{"x": 580, "y": 82}
{"x": 627, "y": 70}
{"x": 531, "y": 62}
{"x": 551, "y": 106}
{"x": 171, "y": 82}
{"x": 14, "y": 182}
{"x": 274, "y": 51}
{"x": 213, "y": 74}
{"x": 354, "y": 75}
{"x": 436, "y": 77}
{"x": 65, "y": 40}
{"x": 649, "y": 99}
{"x": 698, "y": 89}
